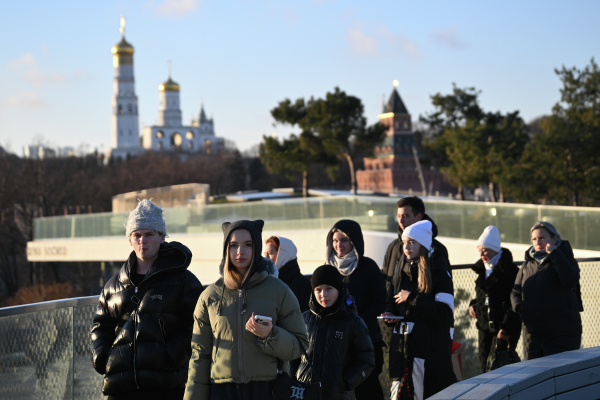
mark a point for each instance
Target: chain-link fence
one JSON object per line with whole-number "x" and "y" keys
{"x": 45, "y": 347}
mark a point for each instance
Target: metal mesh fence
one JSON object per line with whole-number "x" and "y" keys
{"x": 45, "y": 354}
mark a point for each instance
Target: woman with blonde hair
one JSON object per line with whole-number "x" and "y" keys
{"x": 547, "y": 296}
{"x": 420, "y": 307}
{"x": 234, "y": 347}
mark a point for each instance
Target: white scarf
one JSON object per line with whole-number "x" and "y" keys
{"x": 347, "y": 264}
{"x": 489, "y": 266}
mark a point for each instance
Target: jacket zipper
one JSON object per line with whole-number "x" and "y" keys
{"x": 135, "y": 323}
{"x": 240, "y": 336}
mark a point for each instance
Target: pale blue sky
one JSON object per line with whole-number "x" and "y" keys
{"x": 243, "y": 57}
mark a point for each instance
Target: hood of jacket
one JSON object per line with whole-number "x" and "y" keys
{"x": 259, "y": 263}
{"x": 434, "y": 228}
{"x": 564, "y": 247}
{"x": 171, "y": 255}
{"x": 346, "y": 306}
{"x": 286, "y": 253}
{"x": 353, "y": 231}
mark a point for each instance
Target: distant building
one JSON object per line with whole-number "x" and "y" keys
{"x": 38, "y": 152}
{"x": 393, "y": 167}
{"x": 67, "y": 151}
{"x": 169, "y": 134}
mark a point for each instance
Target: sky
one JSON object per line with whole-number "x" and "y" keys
{"x": 241, "y": 58}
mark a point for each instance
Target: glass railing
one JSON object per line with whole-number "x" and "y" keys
{"x": 45, "y": 347}
{"x": 457, "y": 219}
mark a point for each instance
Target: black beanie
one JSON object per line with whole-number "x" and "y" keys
{"x": 327, "y": 275}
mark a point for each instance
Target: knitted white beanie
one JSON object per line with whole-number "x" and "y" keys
{"x": 421, "y": 232}
{"x": 146, "y": 216}
{"x": 490, "y": 238}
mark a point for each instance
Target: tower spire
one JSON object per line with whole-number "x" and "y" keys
{"x": 169, "y": 68}
{"x": 122, "y": 28}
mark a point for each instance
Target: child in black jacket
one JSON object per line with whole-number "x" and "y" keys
{"x": 340, "y": 353}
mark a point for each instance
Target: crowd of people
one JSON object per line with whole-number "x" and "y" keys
{"x": 264, "y": 328}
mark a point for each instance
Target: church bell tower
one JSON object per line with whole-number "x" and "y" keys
{"x": 125, "y": 130}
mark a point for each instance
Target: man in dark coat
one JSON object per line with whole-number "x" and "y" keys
{"x": 498, "y": 325}
{"x": 363, "y": 279}
{"x": 142, "y": 330}
{"x": 410, "y": 210}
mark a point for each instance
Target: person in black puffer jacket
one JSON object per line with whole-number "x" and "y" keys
{"x": 421, "y": 294}
{"x": 340, "y": 354}
{"x": 364, "y": 281}
{"x": 498, "y": 325}
{"x": 547, "y": 295}
{"x": 282, "y": 251}
{"x": 142, "y": 330}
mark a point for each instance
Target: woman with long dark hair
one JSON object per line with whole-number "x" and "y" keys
{"x": 420, "y": 307}
{"x": 234, "y": 355}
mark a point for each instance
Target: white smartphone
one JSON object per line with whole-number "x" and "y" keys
{"x": 389, "y": 317}
{"x": 261, "y": 319}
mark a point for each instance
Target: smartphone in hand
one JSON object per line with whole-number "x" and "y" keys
{"x": 261, "y": 319}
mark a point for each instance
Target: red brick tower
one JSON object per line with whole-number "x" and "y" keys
{"x": 393, "y": 166}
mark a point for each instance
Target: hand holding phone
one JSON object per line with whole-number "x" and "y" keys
{"x": 260, "y": 325}
{"x": 390, "y": 318}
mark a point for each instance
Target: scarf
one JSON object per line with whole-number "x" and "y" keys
{"x": 489, "y": 266}
{"x": 347, "y": 264}
{"x": 541, "y": 255}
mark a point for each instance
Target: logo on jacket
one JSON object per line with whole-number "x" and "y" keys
{"x": 156, "y": 296}
{"x": 339, "y": 335}
{"x": 297, "y": 392}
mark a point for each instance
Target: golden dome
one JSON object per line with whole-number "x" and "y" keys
{"x": 122, "y": 47}
{"x": 169, "y": 86}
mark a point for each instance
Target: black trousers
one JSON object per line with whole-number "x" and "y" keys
{"x": 370, "y": 388}
{"x": 255, "y": 390}
{"x": 168, "y": 394}
{"x": 489, "y": 341}
{"x": 544, "y": 345}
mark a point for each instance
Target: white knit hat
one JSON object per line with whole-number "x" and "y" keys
{"x": 490, "y": 238}
{"x": 421, "y": 232}
{"x": 146, "y": 216}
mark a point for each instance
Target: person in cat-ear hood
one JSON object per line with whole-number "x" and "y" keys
{"x": 234, "y": 356}
{"x": 363, "y": 279}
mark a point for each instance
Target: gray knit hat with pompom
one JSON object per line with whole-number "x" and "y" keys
{"x": 146, "y": 216}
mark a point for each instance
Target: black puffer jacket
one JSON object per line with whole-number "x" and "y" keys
{"x": 290, "y": 275}
{"x": 340, "y": 352}
{"x": 396, "y": 250}
{"x": 141, "y": 337}
{"x": 428, "y": 344}
{"x": 366, "y": 284}
{"x": 545, "y": 295}
{"x": 498, "y": 287}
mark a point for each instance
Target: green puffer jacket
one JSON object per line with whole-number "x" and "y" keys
{"x": 224, "y": 351}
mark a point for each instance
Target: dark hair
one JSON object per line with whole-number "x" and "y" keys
{"x": 274, "y": 240}
{"x": 415, "y": 203}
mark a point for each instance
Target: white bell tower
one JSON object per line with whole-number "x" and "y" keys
{"x": 125, "y": 130}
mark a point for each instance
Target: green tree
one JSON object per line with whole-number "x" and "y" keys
{"x": 338, "y": 123}
{"x": 292, "y": 155}
{"x": 562, "y": 163}
{"x": 470, "y": 146}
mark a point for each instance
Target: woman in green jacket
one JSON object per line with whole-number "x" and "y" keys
{"x": 233, "y": 356}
